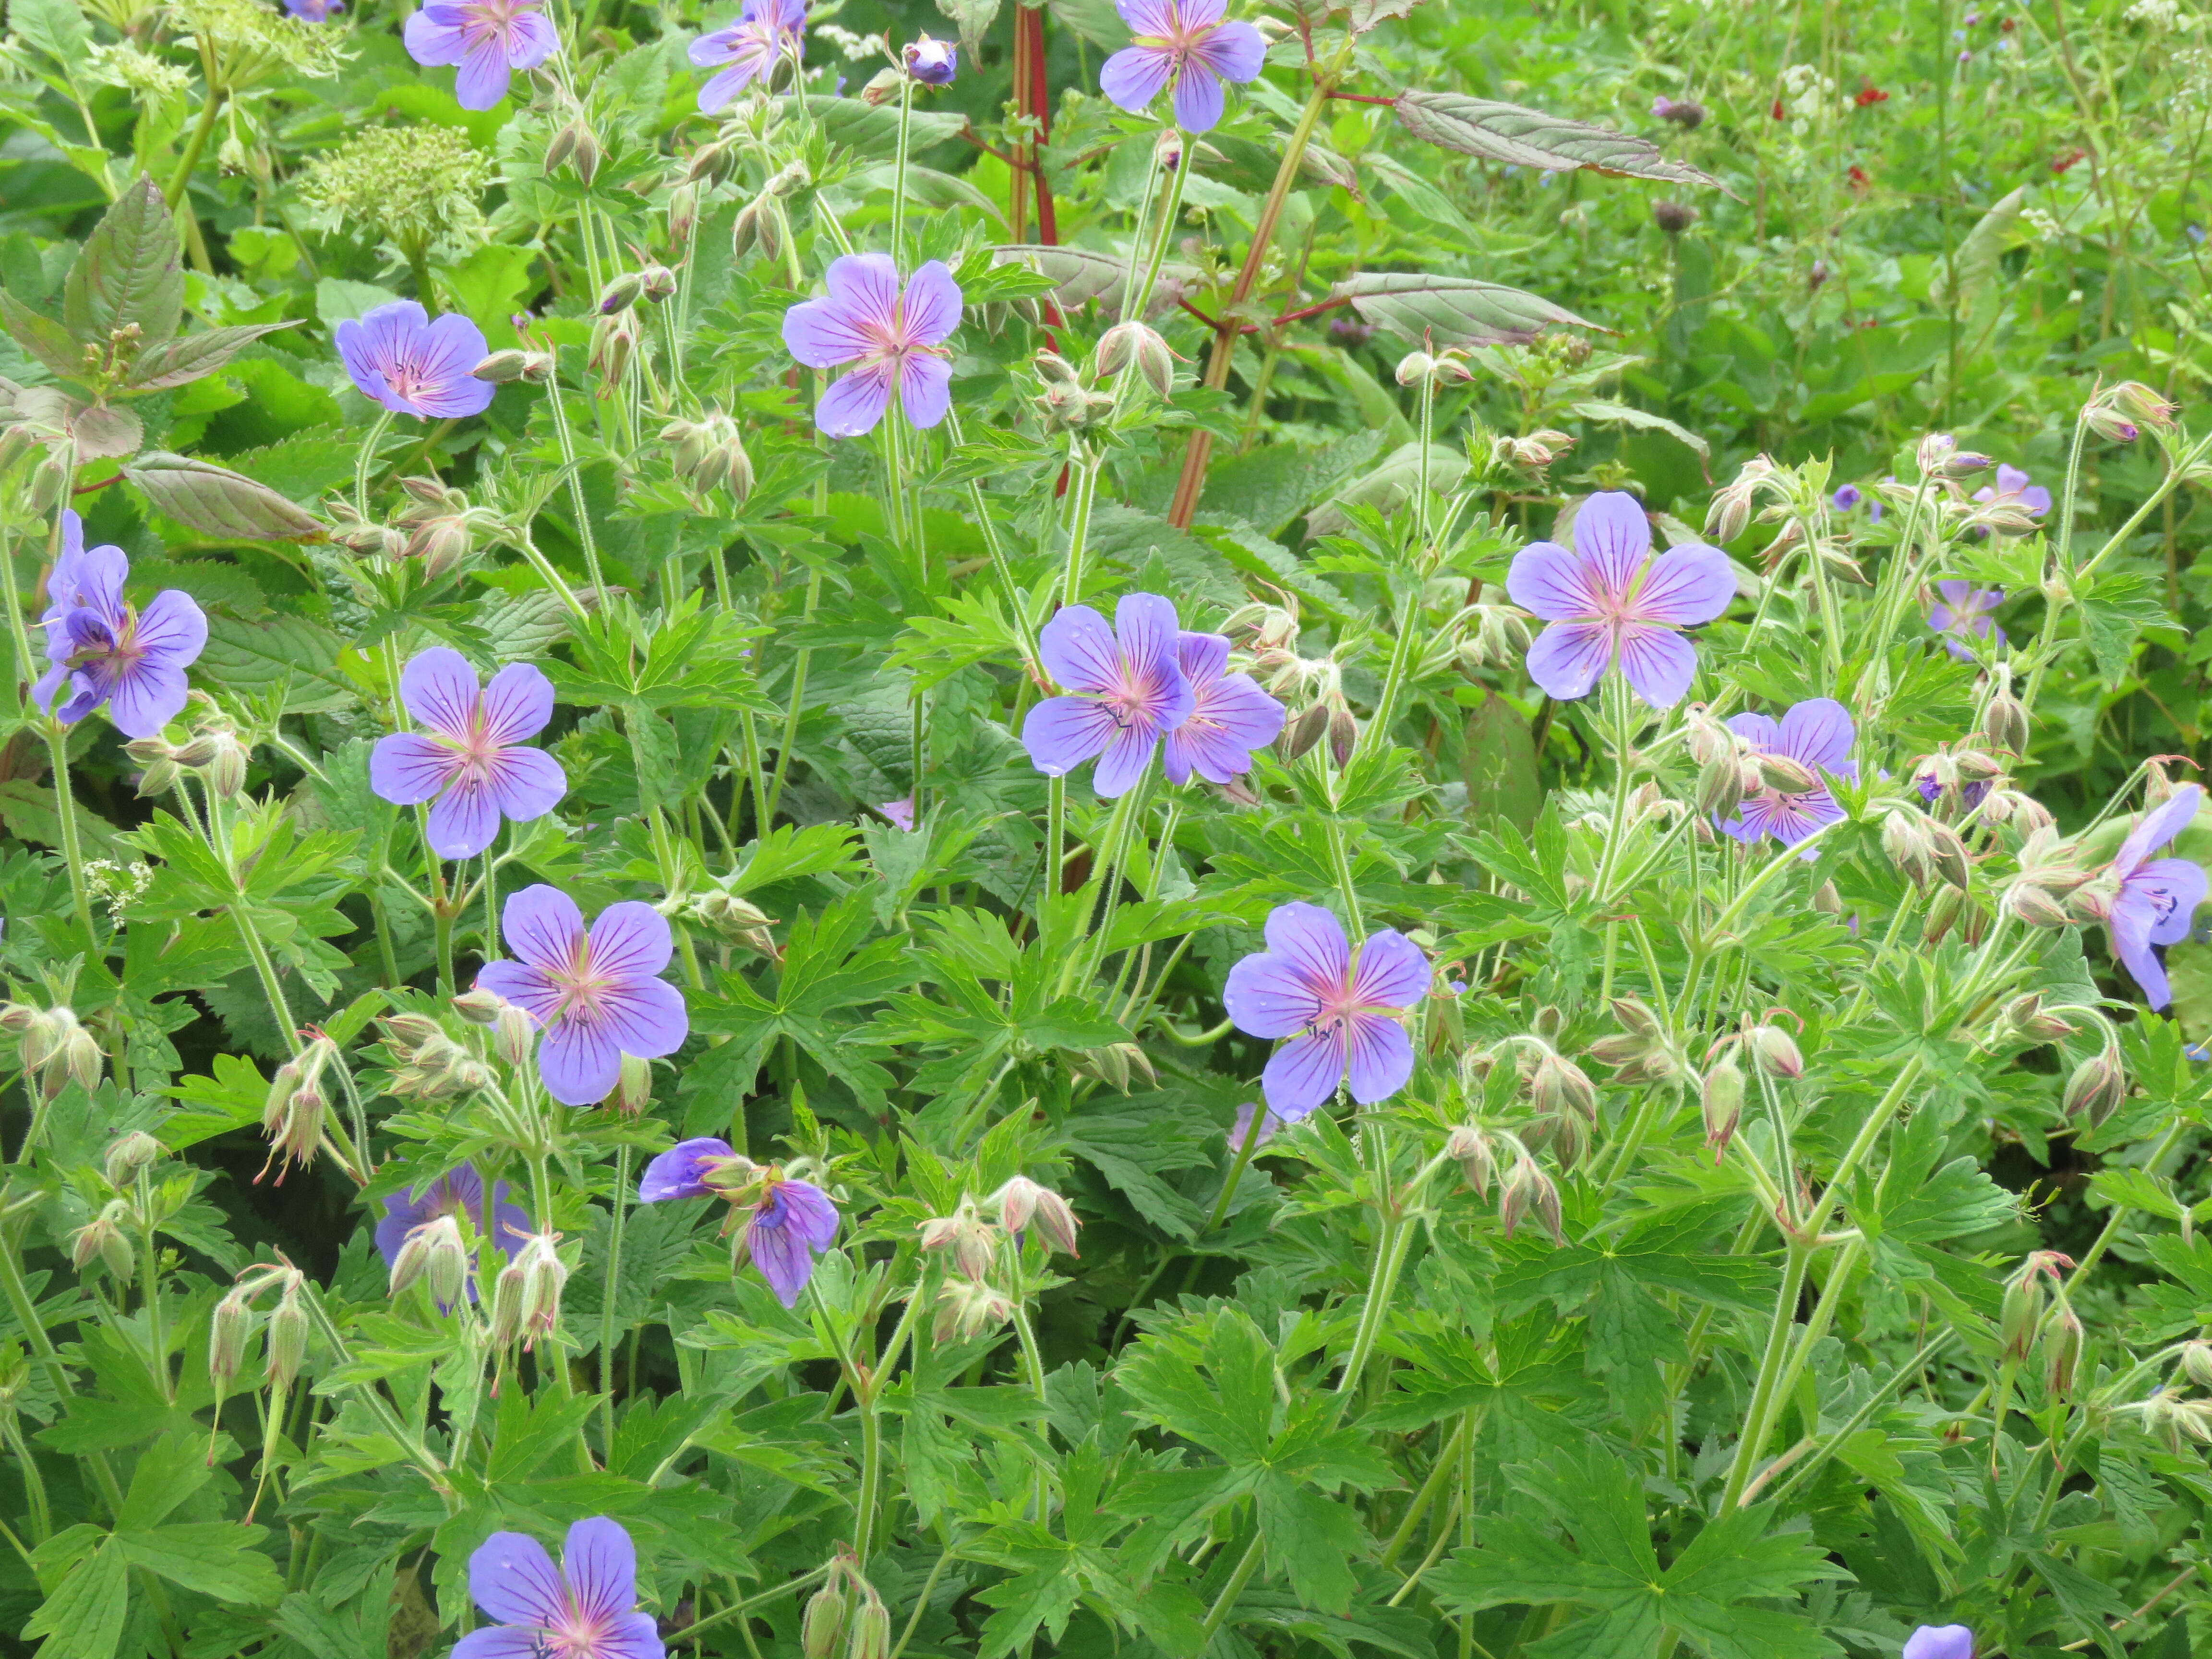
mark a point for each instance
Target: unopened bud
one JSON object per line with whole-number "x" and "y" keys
{"x": 2139, "y": 401}
{"x": 1775, "y": 1052}
{"x": 1477, "y": 1161}
{"x": 2097, "y": 1086}
{"x": 502, "y": 367}
{"x": 288, "y": 1339}
{"x": 2197, "y": 1362}
{"x": 2025, "y": 901}
{"x": 964, "y": 1237}
{"x": 1785, "y": 774}
{"x": 1528, "y": 1191}
{"x": 1304, "y": 733}
{"x": 1343, "y": 735}
{"x": 632, "y": 1086}
{"x": 1135, "y": 343}
{"x": 1560, "y": 1087}
{"x": 882, "y": 87}
{"x": 656, "y": 282}
{"x": 540, "y": 1279}
{"x": 1022, "y": 1202}
{"x": 229, "y": 1330}
{"x": 2061, "y": 1350}
{"x": 2110, "y": 424}
{"x": 872, "y": 1630}
{"x": 822, "y": 1626}
{"x": 478, "y": 1007}
{"x": 1721, "y": 1103}
{"x": 2004, "y": 724}
{"x": 106, "y": 1238}
{"x": 128, "y": 1154}
{"x": 620, "y": 294}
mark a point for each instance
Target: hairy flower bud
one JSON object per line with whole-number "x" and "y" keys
{"x": 2025, "y": 901}
{"x": 1469, "y": 1146}
{"x": 882, "y": 87}
{"x": 107, "y": 1237}
{"x": 633, "y": 1087}
{"x": 576, "y": 145}
{"x": 1138, "y": 344}
{"x": 2097, "y": 1087}
{"x": 2019, "y": 1315}
{"x": 1949, "y": 853}
{"x": 1528, "y": 1191}
{"x": 2110, "y": 424}
{"x": 502, "y": 367}
{"x": 540, "y": 1279}
{"x": 1021, "y": 1201}
{"x": 683, "y": 215}
{"x": 872, "y": 1630}
{"x": 968, "y": 1311}
{"x": 127, "y": 1155}
{"x": 657, "y": 283}
{"x": 614, "y": 341}
{"x": 288, "y": 1339}
{"x": 229, "y": 1330}
{"x": 1721, "y": 1102}
{"x": 2061, "y": 1350}
{"x": 1302, "y": 733}
{"x": 1775, "y": 1052}
{"x": 2134, "y": 398}
{"x": 964, "y": 1236}
{"x": 822, "y": 1626}
{"x": 1786, "y": 775}
{"x": 2197, "y": 1362}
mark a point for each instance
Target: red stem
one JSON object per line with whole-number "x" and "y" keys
{"x": 1362, "y": 98}
{"x": 1029, "y": 25}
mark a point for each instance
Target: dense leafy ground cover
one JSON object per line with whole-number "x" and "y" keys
{"x": 1362, "y": 829}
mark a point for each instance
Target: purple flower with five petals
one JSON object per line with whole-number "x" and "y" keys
{"x": 894, "y": 340}
{"x": 1182, "y": 45}
{"x": 766, "y": 32}
{"x": 104, "y": 651}
{"x": 1126, "y": 688}
{"x": 792, "y": 1222}
{"x": 1964, "y": 609}
{"x": 1818, "y": 734}
{"x": 471, "y": 761}
{"x": 598, "y": 995}
{"x": 488, "y": 38}
{"x": 1612, "y": 600}
{"x": 1341, "y": 1018}
{"x": 2012, "y": 486}
{"x": 585, "y": 1608}
{"x": 458, "y": 1193}
{"x": 1940, "y": 1642}
{"x": 401, "y": 359}
{"x": 2155, "y": 901}
{"x": 1230, "y": 715}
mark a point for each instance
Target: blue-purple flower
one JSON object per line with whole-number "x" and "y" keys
{"x": 1342, "y": 1019}
{"x": 412, "y": 366}
{"x": 1612, "y": 601}
{"x": 313, "y": 11}
{"x": 102, "y": 650}
{"x": 470, "y": 761}
{"x": 2012, "y": 486}
{"x": 1818, "y": 735}
{"x": 1940, "y": 1642}
{"x": 766, "y": 32}
{"x": 1181, "y": 45}
{"x": 598, "y": 995}
{"x": 2147, "y": 901}
{"x": 1127, "y": 691}
{"x": 1230, "y": 715}
{"x": 893, "y": 340}
{"x": 459, "y": 1194}
{"x": 1962, "y": 611}
{"x": 585, "y": 1608}
{"x": 931, "y": 62}
{"x": 490, "y": 39}
{"x": 788, "y": 1223}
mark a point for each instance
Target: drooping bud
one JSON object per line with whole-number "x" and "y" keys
{"x": 682, "y": 213}
{"x": 822, "y": 1626}
{"x": 1135, "y": 343}
{"x": 2025, "y": 901}
{"x": 872, "y": 1630}
{"x": 2138, "y": 400}
{"x": 964, "y": 1236}
{"x": 2019, "y": 1314}
{"x": 1022, "y": 1202}
{"x": 1786, "y": 775}
{"x": 1343, "y": 733}
{"x": 968, "y": 1311}
{"x": 2197, "y": 1362}
{"x": 502, "y": 367}
{"x": 2062, "y": 1349}
{"x": 127, "y": 1155}
{"x": 1304, "y": 733}
{"x": 657, "y": 283}
{"x": 540, "y": 1278}
{"x": 1528, "y": 1191}
{"x": 620, "y": 294}
{"x": 1775, "y": 1052}
{"x": 882, "y": 87}
{"x": 287, "y": 1338}
{"x": 2004, "y": 724}
{"x": 1470, "y": 1147}
{"x": 1560, "y": 1088}
{"x": 478, "y": 1007}
{"x": 105, "y": 1237}
{"x": 1721, "y": 1103}
{"x": 2097, "y": 1087}
{"x": 229, "y": 1330}
{"x": 2110, "y": 424}
{"x": 633, "y": 1087}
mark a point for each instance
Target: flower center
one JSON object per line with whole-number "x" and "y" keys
{"x": 579, "y": 1635}
{"x": 580, "y": 987}
{"x": 477, "y": 749}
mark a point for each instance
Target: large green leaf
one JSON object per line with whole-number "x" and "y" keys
{"x": 1531, "y": 139}
{"x": 1453, "y": 311}
{"x": 175, "y": 363}
{"x": 1080, "y": 275}
{"x": 128, "y": 272}
{"x": 216, "y": 501}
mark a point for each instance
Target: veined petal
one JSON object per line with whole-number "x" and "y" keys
{"x": 1553, "y": 583}
{"x": 463, "y": 821}
{"x": 1685, "y": 586}
{"x": 1198, "y": 97}
{"x": 1304, "y": 1073}
{"x": 544, "y": 927}
{"x": 579, "y": 1064}
{"x": 513, "y": 1579}
{"x": 531, "y": 40}
{"x": 1819, "y": 732}
{"x": 1128, "y": 752}
{"x": 435, "y": 36}
{"x": 1568, "y": 657}
{"x": 439, "y": 689}
{"x": 1613, "y": 535}
{"x": 866, "y": 288}
{"x": 646, "y": 1017}
{"x": 1235, "y": 52}
{"x": 856, "y": 404}
{"x": 823, "y": 334}
{"x": 1148, "y": 17}
{"x": 1268, "y": 996}
{"x": 517, "y": 703}
{"x": 172, "y": 628}
{"x": 1197, "y": 15}
{"x": 1202, "y": 658}
{"x": 527, "y": 987}
{"x": 1659, "y": 664}
{"x": 526, "y": 783}
{"x": 1762, "y": 731}
{"x": 146, "y": 695}
{"x": 1079, "y": 651}
{"x": 481, "y": 81}
{"x": 782, "y": 1256}
{"x": 1392, "y": 972}
{"x": 631, "y": 940}
{"x": 2175, "y": 887}
{"x": 600, "y": 1564}
{"x": 1145, "y": 623}
{"x": 925, "y": 390}
{"x": 931, "y": 304}
{"x": 1312, "y": 940}
{"x": 1379, "y": 1057}
{"x": 2158, "y": 827}
{"x": 1061, "y": 734}
{"x": 678, "y": 1172}
{"x": 1135, "y": 77}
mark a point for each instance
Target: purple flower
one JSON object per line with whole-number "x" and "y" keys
{"x": 894, "y": 340}
{"x": 766, "y": 32}
{"x": 313, "y": 11}
{"x": 1940, "y": 1642}
{"x": 104, "y": 651}
{"x": 2156, "y": 899}
{"x": 1612, "y": 600}
{"x": 1817, "y": 734}
{"x": 585, "y": 1608}
{"x": 1185, "y": 45}
{"x": 1972, "y": 791}
{"x": 597, "y": 996}
{"x": 2012, "y": 485}
{"x": 931, "y": 61}
{"x": 1964, "y": 609}
{"x": 1846, "y": 498}
{"x": 458, "y": 1193}
{"x": 1128, "y": 691}
{"x": 1340, "y": 1019}
{"x": 490, "y": 39}
{"x": 1230, "y": 715}
{"x": 792, "y": 1222}
{"x": 412, "y": 366}
{"x": 900, "y": 812}
{"x": 471, "y": 761}
{"x": 1270, "y": 1126}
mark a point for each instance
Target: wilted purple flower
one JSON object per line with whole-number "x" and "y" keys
{"x": 412, "y": 366}
{"x": 1182, "y": 45}
{"x": 585, "y": 1608}
{"x": 893, "y": 340}
{"x": 488, "y": 38}
{"x": 1818, "y": 734}
{"x": 1230, "y": 715}
{"x": 931, "y": 61}
{"x": 458, "y": 1193}
{"x": 597, "y": 996}
{"x": 791, "y": 1223}
{"x": 1613, "y": 600}
{"x": 313, "y": 11}
{"x": 1940, "y": 1642}
{"x": 104, "y": 651}
{"x": 2155, "y": 900}
{"x": 1964, "y": 609}
{"x": 471, "y": 761}
{"x": 2012, "y": 485}
{"x": 1128, "y": 691}
{"x": 1341, "y": 1019}
{"x": 766, "y": 32}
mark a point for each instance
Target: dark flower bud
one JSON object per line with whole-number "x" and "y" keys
{"x": 1686, "y": 113}
{"x": 2004, "y": 724}
{"x": 2061, "y": 1350}
{"x": 657, "y": 283}
{"x": 931, "y": 62}
{"x": 1673, "y": 217}
{"x": 1304, "y": 733}
{"x": 683, "y": 215}
{"x": 1721, "y": 1100}
{"x": 622, "y": 293}
{"x": 1343, "y": 735}
{"x": 711, "y": 164}
{"x": 1775, "y": 1052}
{"x": 576, "y": 145}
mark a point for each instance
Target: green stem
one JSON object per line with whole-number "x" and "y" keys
{"x": 365, "y": 461}
{"x": 1770, "y": 1371}
{"x": 797, "y": 700}
{"x": 1246, "y": 1566}
{"x": 607, "y": 1301}
{"x": 567, "y": 442}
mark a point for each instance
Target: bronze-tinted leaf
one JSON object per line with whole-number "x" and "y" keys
{"x": 1080, "y": 275}
{"x": 1530, "y": 139}
{"x": 217, "y": 501}
{"x": 193, "y": 356}
{"x": 1449, "y": 311}
{"x": 42, "y": 337}
{"x": 128, "y": 273}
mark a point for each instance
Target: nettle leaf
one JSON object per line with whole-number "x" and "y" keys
{"x": 1531, "y": 139}
{"x": 128, "y": 272}
{"x": 1613, "y": 1570}
{"x": 217, "y": 501}
{"x": 1453, "y": 311}
{"x": 193, "y": 356}
{"x": 42, "y": 337}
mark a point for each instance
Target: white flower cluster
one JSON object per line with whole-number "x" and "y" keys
{"x": 116, "y": 885}
{"x": 854, "y": 48}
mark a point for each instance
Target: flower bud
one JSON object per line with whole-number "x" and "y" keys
{"x": 613, "y": 341}
{"x": 711, "y": 164}
{"x": 436, "y": 1253}
{"x": 1133, "y": 342}
{"x": 288, "y": 1339}
{"x": 931, "y": 62}
{"x": 478, "y": 1007}
{"x": 2197, "y": 1362}
{"x": 2097, "y": 1086}
{"x": 2004, "y": 724}
{"x": 968, "y": 1311}
{"x": 632, "y": 1086}
{"x": 2025, "y": 901}
{"x": 2061, "y": 1350}
{"x": 1021, "y": 1201}
{"x": 1949, "y": 853}
{"x": 2020, "y": 1313}
{"x": 105, "y": 1237}
{"x": 513, "y": 1034}
{"x": 507, "y": 1305}
{"x": 1558, "y": 1087}
{"x": 1720, "y": 787}
{"x": 1721, "y": 1103}
{"x": 225, "y": 776}
{"x": 1470, "y": 1147}
{"x": 964, "y": 1236}
{"x": 502, "y": 367}
{"x": 576, "y": 145}
{"x": 229, "y": 1331}
{"x": 821, "y": 1627}
{"x": 540, "y": 1278}
{"x": 127, "y": 1155}
{"x": 1786, "y": 775}
{"x": 872, "y": 1628}
{"x": 2110, "y": 424}
{"x": 882, "y": 87}
{"x": 1528, "y": 1191}
{"x": 1343, "y": 735}
{"x": 2139, "y": 401}
{"x": 1673, "y": 217}
{"x": 620, "y": 294}
{"x": 1775, "y": 1052}
{"x": 657, "y": 283}
{"x": 683, "y": 215}
{"x": 1304, "y": 733}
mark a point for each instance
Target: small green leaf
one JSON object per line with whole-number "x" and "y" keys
{"x": 56, "y": 27}
{"x": 215, "y": 1558}
{"x": 42, "y": 337}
